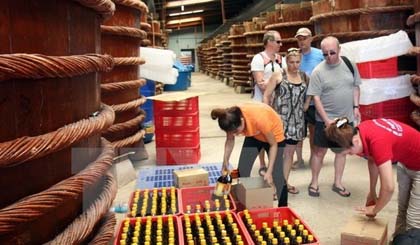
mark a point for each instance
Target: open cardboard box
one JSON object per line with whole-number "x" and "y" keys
{"x": 361, "y": 230}
{"x": 253, "y": 193}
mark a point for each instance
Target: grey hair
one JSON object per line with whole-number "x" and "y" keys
{"x": 269, "y": 36}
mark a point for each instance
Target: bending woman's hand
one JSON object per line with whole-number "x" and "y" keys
{"x": 368, "y": 211}
{"x": 269, "y": 178}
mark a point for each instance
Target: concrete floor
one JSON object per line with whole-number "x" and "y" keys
{"x": 326, "y": 215}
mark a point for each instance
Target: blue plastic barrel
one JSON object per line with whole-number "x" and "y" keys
{"x": 182, "y": 82}
{"x": 148, "y": 90}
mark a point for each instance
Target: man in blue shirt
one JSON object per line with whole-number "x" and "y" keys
{"x": 311, "y": 57}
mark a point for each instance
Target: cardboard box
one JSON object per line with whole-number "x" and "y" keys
{"x": 254, "y": 193}
{"x": 361, "y": 230}
{"x": 191, "y": 177}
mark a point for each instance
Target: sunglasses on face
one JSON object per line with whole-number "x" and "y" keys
{"x": 331, "y": 53}
{"x": 277, "y": 41}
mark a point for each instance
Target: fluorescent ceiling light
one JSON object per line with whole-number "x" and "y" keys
{"x": 181, "y": 21}
{"x": 187, "y": 12}
{"x": 186, "y": 2}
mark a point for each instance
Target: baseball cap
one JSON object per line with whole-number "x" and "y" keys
{"x": 303, "y": 32}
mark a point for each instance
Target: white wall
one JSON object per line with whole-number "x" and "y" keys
{"x": 188, "y": 38}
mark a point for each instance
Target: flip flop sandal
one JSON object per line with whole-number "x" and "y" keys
{"x": 262, "y": 171}
{"x": 340, "y": 191}
{"x": 312, "y": 191}
{"x": 292, "y": 190}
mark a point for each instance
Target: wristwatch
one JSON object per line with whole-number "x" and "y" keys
{"x": 355, "y": 106}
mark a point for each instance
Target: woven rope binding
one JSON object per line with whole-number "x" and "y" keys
{"x": 28, "y": 148}
{"x": 37, "y": 66}
{"x": 17, "y": 215}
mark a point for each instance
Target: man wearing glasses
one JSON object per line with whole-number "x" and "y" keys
{"x": 311, "y": 57}
{"x": 263, "y": 65}
{"x": 335, "y": 91}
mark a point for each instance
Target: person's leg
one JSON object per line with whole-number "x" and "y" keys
{"x": 413, "y": 211}
{"x": 287, "y": 162}
{"x": 316, "y": 165}
{"x": 250, "y": 149}
{"x": 299, "y": 163}
{"x": 339, "y": 165}
{"x": 321, "y": 144}
{"x": 404, "y": 186}
{"x": 311, "y": 128}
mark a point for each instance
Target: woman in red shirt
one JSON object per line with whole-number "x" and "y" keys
{"x": 263, "y": 129}
{"x": 384, "y": 141}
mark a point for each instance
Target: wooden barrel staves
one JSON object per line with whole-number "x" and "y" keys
{"x": 121, "y": 37}
{"x": 414, "y": 21}
{"x": 361, "y": 19}
{"x": 227, "y": 58}
{"x": 219, "y": 58}
{"x": 291, "y": 18}
{"x": 53, "y": 161}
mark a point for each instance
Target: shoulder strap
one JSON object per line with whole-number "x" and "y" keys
{"x": 348, "y": 64}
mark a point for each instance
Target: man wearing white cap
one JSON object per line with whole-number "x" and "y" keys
{"x": 311, "y": 57}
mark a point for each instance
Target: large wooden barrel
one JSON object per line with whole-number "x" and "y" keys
{"x": 122, "y": 37}
{"x": 51, "y": 117}
{"x": 414, "y": 21}
{"x": 360, "y": 19}
{"x": 292, "y": 17}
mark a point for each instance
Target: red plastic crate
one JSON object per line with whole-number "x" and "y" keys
{"x": 177, "y": 121}
{"x": 379, "y": 68}
{"x": 168, "y": 191}
{"x": 398, "y": 109}
{"x": 270, "y": 214}
{"x": 177, "y": 223}
{"x": 189, "y": 105}
{"x": 177, "y": 155}
{"x": 198, "y": 195}
{"x": 173, "y": 138}
{"x": 242, "y": 230}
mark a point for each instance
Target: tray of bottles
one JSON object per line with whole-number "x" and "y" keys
{"x": 202, "y": 199}
{"x": 150, "y": 230}
{"x": 213, "y": 228}
{"x": 276, "y": 226}
{"x": 154, "y": 202}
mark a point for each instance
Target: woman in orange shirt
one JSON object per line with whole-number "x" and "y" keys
{"x": 262, "y": 128}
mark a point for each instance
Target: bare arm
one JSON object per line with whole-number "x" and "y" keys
{"x": 272, "y": 153}
{"x": 259, "y": 79}
{"x": 320, "y": 109}
{"x": 229, "y": 144}
{"x": 385, "y": 192}
{"x": 356, "y": 98}
{"x": 271, "y": 85}
{"x": 373, "y": 180}
{"x": 307, "y": 102}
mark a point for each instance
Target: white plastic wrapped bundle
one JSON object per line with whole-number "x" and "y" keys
{"x": 157, "y": 58}
{"x": 158, "y": 66}
{"x": 382, "y": 89}
{"x": 377, "y": 48}
{"x": 164, "y": 76}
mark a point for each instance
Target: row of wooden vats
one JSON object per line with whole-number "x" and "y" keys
{"x": 69, "y": 94}
{"x": 228, "y": 55}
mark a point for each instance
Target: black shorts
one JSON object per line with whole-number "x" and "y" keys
{"x": 321, "y": 140}
{"x": 291, "y": 142}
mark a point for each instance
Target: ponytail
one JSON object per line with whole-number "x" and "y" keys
{"x": 341, "y": 132}
{"x": 229, "y": 119}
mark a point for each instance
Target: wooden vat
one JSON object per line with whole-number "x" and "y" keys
{"x": 33, "y": 107}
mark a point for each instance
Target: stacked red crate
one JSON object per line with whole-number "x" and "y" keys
{"x": 398, "y": 109}
{"x": 177, "y": 131}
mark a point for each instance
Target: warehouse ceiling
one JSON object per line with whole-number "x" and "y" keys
{"x": 186, "y": 13}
